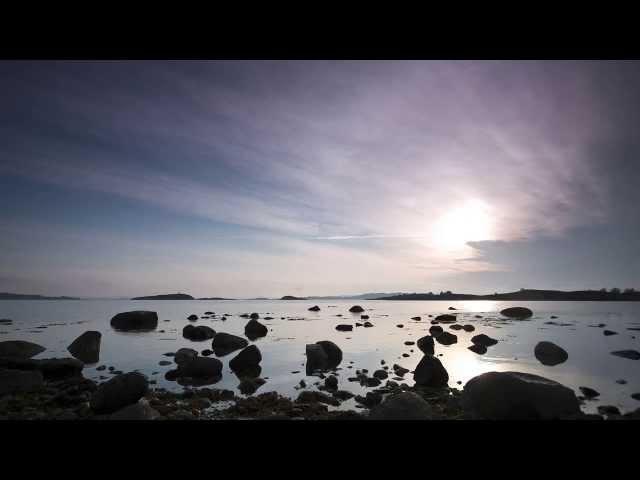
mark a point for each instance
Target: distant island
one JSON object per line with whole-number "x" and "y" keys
{"x": 19, "y": 296}
{"x": 291, "y": 297}
{"x": 169, "y": 296}
{"x": 362, "y": 296}
{"x": 615, "y": 294}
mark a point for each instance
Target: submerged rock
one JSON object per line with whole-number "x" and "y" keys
{"x": 430, "y": 373}
{"x": 119, "y": 392}
{"x": 402, "y": 406}
{"x": 550, "y": 354}
{"x": 225, "y": 343}
{"x": 425, "y": 344}
{"x": 516, "y": 395}
{"x": 199, "y": 333}
{"x": 86, "y": 347}
{"x": 517, "y": 312}
{"x": 254, "y": 330}
{"x": 135, "y": 320}
{"x": 19, "y": 349}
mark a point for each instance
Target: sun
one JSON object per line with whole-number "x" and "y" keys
{"x": 471, "y": 221}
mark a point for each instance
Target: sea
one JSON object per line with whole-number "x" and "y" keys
{"x": 54, "y": 324}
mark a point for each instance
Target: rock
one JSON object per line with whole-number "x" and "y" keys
{"x": 20, "y": 381}
{"x": 479, "y": 349}
{"x": 550, "y": 354}
{"x": 192, "y": 318}
{"x": 635, "y": 396}
{"x": 59, "y": 368}
{"x": 417, "y": 319}
{"x": 399, "y": 371}
{"x": 119, "y": 392}
{"x": 446, "y": 318}
{"x": 137, "y": 411}
{"x": 225, "y": 343}
{"x": 608, "y": 333}
{"x": 430, "y": 373}
{"x": 19, "y": 349}
{"x": 368, "y": 324}
{"x": 184, "y": 356}
{"x": 400, "y": 325}
{"x": 484, "y": 340}
{"x": 402, "y": 406}
{"x": 589, "y": 392}
{"x": 621, "y": 381}
{"x": 630, "y": 354}
{"x": 455, "y": 326}
{"x": 358, "y": 324}
{"x": 254, "y": 316}
{"x": 86, "y": 347}
{"x": 343, "y": 395}
{"x": 608, "y": 410}
{"x": 198, "y": 334}
{"x": 209, "y": 313}
{"x": 206, "y": 352}
{"x": 249, "y": 386}
{"x": 356, "y": 309}
{"x": 381, "y": 374}
{"x": 435, "y": 330}
{"x": 409, "y": 342}
{"x": 201, "y": 368}
{"x": 446, "y": 338}
{"x": 425, "y": 344}
{"x": 331, "y": 383}
{"x": 333, "y": 352}
{"x": 309, "y": 396}
{"x": 344, "y": 328}
{"x": 372, "y": 382}
{"x": 315, "y": 308}
{"x": 370, "y": 400}
{"x": 164, "y": 363}
{"x": 364, "y": 317}
{"x": 317, "y": 358}
{"x": 254, "y": 329}
{"x": 5, "y": 321}
{"x": 451, "y": 308}
{"x": 516, "y": 395}
{"x": 136, "y": 320}
{"x": 517, "y": 312}
{"x": 468, "y": 328}
{"x": 246, "y": 361}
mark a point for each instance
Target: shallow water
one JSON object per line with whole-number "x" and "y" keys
{"x": 590, "y": 362}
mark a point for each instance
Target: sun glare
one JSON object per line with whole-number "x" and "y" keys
{"x": 469, "y": 222}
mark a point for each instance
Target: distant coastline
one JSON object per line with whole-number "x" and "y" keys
{"x": 529, "y": 295}
{"x": 20, "y": 296}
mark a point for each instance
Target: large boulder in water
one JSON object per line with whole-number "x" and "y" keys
{"x": 550, "y": 354}
{"x": 136, "y": 320}
{"x": 317, "y": 358}
{"x": 184, "y": 356}
{"x": 19, "y": 381}
{"x": 86, "y": 347}
{"x": 425, "y": 344}
{"x": 517, "y": 312}
{"x": 19, "y": 349}
{"x": 58, "y": 368}
{"x": 315, "y": 308}
{"x": 120, "y": 391}
{"x": 225, "y": 343}
{"x": 198, "y": 334}
{"x": 430, "y": 373}
{"x": 483, "y": 340}
{"x": 254, "y": 330}
{"x": 334, "y": 354}
{"x": 517, "y": 396}
{"x": 402, "y": 406}
{"x": 247, "y": 362}
{"x": 446, "y": 338}
{"x": 201, "y": 367}
{"x": 446, "y": 318}
{"x": 356, "y": 309}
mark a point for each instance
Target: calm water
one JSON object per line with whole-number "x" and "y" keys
{"x": 283, "y": 349}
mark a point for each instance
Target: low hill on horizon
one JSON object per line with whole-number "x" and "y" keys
{"x": 528, "y": 295}
{"x": 20, "y": 296}
{"x": 168, "y": 296}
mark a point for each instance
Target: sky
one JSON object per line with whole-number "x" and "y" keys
{"x": 270, "y": 178}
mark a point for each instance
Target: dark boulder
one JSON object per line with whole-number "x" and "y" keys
{"x": 344, "y": 328}
{"x": 517, "y": 312}
{"x": 136, "y": 320}
{"x": 368, "y": 324}
{"x": 484, "y": 340}
{"x": 455, "y": 326}
{"x": 417, "y": 319}
{"x": 435, "y": 330}
{"x": 59, "y": 368}
{"x": 225, "y": 343}
{"x": 254, "y": 330}
{"x": 86, "y": 347}
{"x": 425, "y": 344}
{"x": 446, "y": 338}
{"x": 201, "y": 367}
{"x": 246, "y": 362}
{"x": 468, "y": 328}
{"x": 630, "y": 354}
{"x": 120, "y": 391}
{"x": 184, "y": 355}
{"x": 402, "y": 406}
{"x": 430, "y": 373}
{"x": 356, "y": 309}
{"x": 589, "y": 392}
{"x": 317, "y": 358}
{"x": 249, "y": 386}
{"x": 608, "y": 333}
{"x": 479, "y": 349}
{"x": 254, "y": 316}
{"x": 19, "y": 349}
{"x": 550, "y": 354}
{"x": 381, "y": 374}
{"x": 192, "y": 317}
{"x": 19, "y": 381}
{"x": 315, "y": 308}
{"x": 333, "y": 352}
{"x": 310, "y": 396}
{"x": 364, "y": 317}
{"x": 446, "y": 318}
{"x": 331, "y": 382}
{"x": 516, "y": 395}
{"x": 198, "y": 334}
